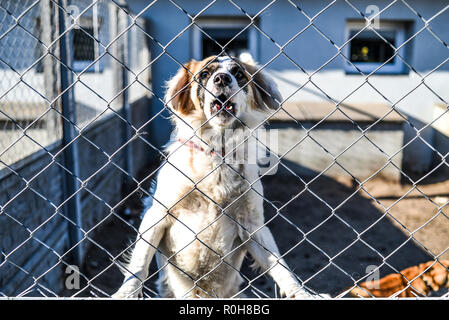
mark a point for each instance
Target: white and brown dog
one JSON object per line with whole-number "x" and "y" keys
{"x": 207, "y": 212}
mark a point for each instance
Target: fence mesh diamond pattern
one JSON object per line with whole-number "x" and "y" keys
{"x": 362, "y": 132}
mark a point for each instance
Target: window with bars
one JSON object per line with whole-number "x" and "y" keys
{"x": 85, "y": 46}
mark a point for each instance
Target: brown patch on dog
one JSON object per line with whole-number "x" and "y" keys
{"x": 197, "y": 67}
{"x": 180, "y": 92}
{"x": 263, "y": 92}
{"x": 255, "y": 99}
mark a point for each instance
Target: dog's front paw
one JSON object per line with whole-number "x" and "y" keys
{"x": 298, "y": 292}
{"x": 125, "y": 293}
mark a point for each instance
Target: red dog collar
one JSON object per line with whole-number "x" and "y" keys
{"x": 193, "y": 145}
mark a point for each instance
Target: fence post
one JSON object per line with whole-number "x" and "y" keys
{"x": 118, "y": 19}
{"x": 71, "y": 163}
{"x": 48, "y": 25}
{"x": 124, "y": 44}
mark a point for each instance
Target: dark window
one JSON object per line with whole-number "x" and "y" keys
{"x": 84, "y": 44}
{"x": 367, "y": 46}
{"x": 39, "y": 49}
{"x": 223, "y": 36}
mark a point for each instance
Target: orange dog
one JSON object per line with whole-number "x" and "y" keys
{"x": 411, "y": 282}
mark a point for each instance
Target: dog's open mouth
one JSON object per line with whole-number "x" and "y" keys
{"x": 221, "y": 104}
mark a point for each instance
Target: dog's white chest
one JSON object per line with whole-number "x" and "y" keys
{"x": 199, "y": 240}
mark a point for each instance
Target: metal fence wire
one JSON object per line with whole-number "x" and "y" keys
{"x": 83, "y": 122}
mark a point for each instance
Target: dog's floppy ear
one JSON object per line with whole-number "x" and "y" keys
{"x": 264, "y": 88}
{"x": 177, "y": 95}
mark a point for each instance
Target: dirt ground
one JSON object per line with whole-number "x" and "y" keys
{"x": 331, "y": 232}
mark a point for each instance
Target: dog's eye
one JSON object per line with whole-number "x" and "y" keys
{"x": 204, "y": 74}
{"x": 239, "y": 75}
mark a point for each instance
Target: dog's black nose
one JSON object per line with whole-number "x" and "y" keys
{"x": 222, "y": 79}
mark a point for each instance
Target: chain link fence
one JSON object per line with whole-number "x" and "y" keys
{"x": 362, "y": 137}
